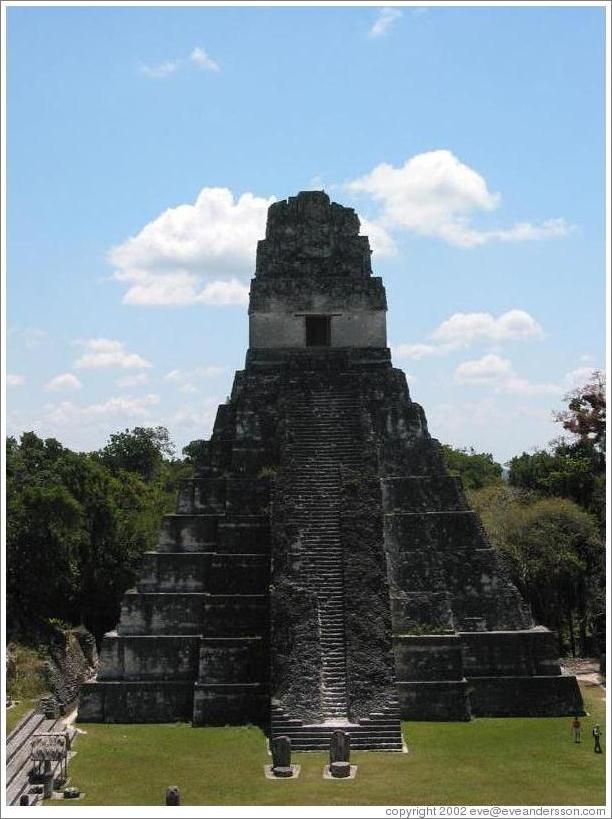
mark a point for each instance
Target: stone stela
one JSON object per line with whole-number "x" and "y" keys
{"x": 323, "y": 571}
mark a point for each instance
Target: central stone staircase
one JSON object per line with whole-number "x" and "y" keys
{"x": 325, "y": 437}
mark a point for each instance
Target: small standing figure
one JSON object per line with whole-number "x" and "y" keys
{"x": 597, "y": 737}
{"x": 576, "y": 729}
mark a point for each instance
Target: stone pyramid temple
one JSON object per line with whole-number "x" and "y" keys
{"x": 323, "y": 570}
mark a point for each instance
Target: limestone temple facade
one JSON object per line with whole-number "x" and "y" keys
{"x": 323, "y": 570}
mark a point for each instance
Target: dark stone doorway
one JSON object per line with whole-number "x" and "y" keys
{"x": 318, "y": 331}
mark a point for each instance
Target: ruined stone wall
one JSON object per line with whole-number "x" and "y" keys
{"x": 74, "y": 659}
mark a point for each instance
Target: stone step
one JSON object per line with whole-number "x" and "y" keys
{"x": 325, "y": 736}
{"x": 365, "y": 745}
{"x": 317, "y": 731}
{"x": 22, "y": 731}
{"x": 355, "y": 737}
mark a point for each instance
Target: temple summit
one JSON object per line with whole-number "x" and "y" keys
{"x": 323, "y": 570}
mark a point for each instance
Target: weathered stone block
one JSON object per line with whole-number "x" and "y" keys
{"x": 531, "y": 652}
{"x": 161, "y": 613}
{"x": 140, "y": 701}
{"x": 233, "y": 660}
{"x": 414, "y": 612}
{"x": 245, "y": 535}
{"x": 188, "y": 533}
{"x": 149, "y": 657}
{"x": 233, "y": 704}
{"x": 234, "y": 615}
{"x": 238, "y": 574}
{"x": 173, "y": 571}
{"x": 525, "y": 696}
{"x": 434, "y": 700}
{"x": 422, "y": 493}
{"x": 428, "y": 657}
{"x": 202, "y": 496}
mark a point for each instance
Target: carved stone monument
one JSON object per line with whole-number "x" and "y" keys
{"x": 173, "y": 796}
{"x": 339, "y": 747}
{"x": 281, "y": 756}
{"x": 323, "y": 570}
{"x": 340, "y": 754}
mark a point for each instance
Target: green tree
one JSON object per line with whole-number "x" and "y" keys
{"x": 195, "y": 451}
{"x": 140, "y": 450}
{"x": 76, "y": 529}
{"x": 572, "y": 469}
{"x": 554, "y": 552}
{"x": 476, "y": 469}
{"x": 45, "y": 533}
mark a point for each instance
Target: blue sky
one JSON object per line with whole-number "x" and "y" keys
{"x": 145, "y": 144}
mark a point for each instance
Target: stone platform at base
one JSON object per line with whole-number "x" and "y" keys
{"x": 141, "y": 701}
{"x": 230, "y": 704}
{"x": 525, "y": 696}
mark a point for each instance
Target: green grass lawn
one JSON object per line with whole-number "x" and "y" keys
{"x": 14, "y": 714}
{"x": 487, "y": 761}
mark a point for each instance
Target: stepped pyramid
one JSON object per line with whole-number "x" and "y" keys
{"x": 323, "y": 570}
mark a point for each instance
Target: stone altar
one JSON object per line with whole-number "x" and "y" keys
{"x": 323, "y": 570}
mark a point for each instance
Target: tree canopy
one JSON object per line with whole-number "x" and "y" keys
{"x": 81, "y": 522}
{"x": 476, "y": 469}
{"x": 574, "y": 468}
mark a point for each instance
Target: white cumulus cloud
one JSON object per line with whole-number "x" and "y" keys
{"x": 160, "y": 70}
{"x": 465, "y": 329}
{"x": 492, "y": 370}
{"x": 486, "y": 370}
{"x": 104, "y": 353}
{"x": 14, "y": 380}
{"x": 203, "y": 60}
{"x": 64, "y": 381}
{"x": 386, "y": 17}
{"x": 435, "y": 194}
{"x": 67, "y": 413}
{"x": 381, "y": 241}
{"x": 197, "y": 57}
{"x": 194, "y": 253}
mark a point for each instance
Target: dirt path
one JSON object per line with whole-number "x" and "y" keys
{"x": 587, "y": 672}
